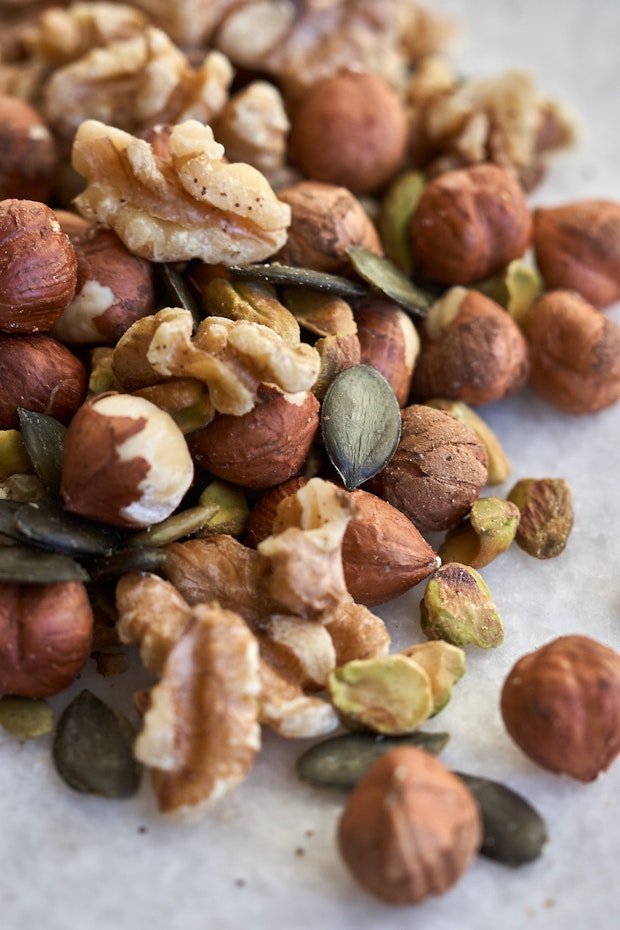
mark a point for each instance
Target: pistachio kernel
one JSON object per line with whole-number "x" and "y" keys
{"x": 546, "y": 515}
{"x": 489, "y": 531}
{"x": 444, "y": 664}
{"x": 457, "y": 606}
{"x": 515, "y": 288}
{"x": 14, "y": 459}
{"x": 232, "y": 513}
{"x": 24, "y": 717}
{"x": 397, "y": 208}
{"x": 253, "y": 301}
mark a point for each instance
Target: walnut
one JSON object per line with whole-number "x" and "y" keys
{"x": 286, "y": 708}
{"x": 188, "y": 22}
{"x": 151, "y": 613}
{"x": 190, "y": 205}
{"x": 299, "y": 648}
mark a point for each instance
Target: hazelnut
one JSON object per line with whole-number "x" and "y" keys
{"x": 411, "y": 827}
{"x": 561, "y": 705}
{"x": 472, "y": 351}
{"x": 349, "y": 129}
{"x": 29, "y": 164}
{"x": 45, "y": 636}
{"x": 388, "y": 341}
{"x": 325, "y": 221}
{"x": 38, "y": 373}
{"x": 125, "y": 462}
{"x": 261, "y": 448}
{"x": 469, "y": 223}
{"x": 114, "y": 289}
{"x": 574, "y": 353}
{"x": 38, "y": 267}
{"x": 577, "y": 246}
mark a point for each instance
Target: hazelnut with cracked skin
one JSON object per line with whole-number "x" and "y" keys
{"x": 349, "y": 129}
{"x": 469, "y": 224}
{"x": 29, "y": 161}
{"x": 561, "y": 706}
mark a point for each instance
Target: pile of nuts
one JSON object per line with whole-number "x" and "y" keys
{"x": 156, "y": 165}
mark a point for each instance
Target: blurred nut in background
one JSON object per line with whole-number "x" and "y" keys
{"x": 29, "y": 161}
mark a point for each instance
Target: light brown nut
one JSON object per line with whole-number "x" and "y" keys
{"x": 200, "y": 733}
{"x": 561, "y": 705}
{"x": 356, "y": 632}
{"x": 302, "y": 650}
{"x": 472, "y": 351}
{"x": 285, "y": 708}
{"x": 577, "y": 246}
{"x": 40, "y": 374}
{"x": 191, "y": 204}
{"x": 337, "y": 354}
{"x": 437, "y": 471}
{"x": 469, "y": 223}
{"x": 30, "y": 159}
{"x": 410, "y": 828}
{"x": 320, "y": 313}
{"x": 546, "y": 515}
{"x": 45, "y": 635}
{"x": 499, "y": 466}
{"x": 186, "y": 400}
{"x": 247, "y": 300}
{"x": 574, "y": 353}
{"x": 389, "y": 342}
{"x": 38, "y": 267}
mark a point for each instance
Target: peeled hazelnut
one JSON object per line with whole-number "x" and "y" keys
{"x": 38, "y": 373}
{"x": 261, "y": 448}
{"x": 472, "y": 351}
{"x": 325, "y": 221}
{"x": 411, "y": 827}
{"x": 574, "y": 353}
{"x": 125, "y": 462}
{"x": 469, "y": 223}
{"x": 349, "y": 129}
{"x": 577, "y": 246}
{"x": 45, "y": 636}
{"x": 561, "y": 705}
{"x": 38, "y": 267}
{"x": 389, "y": 342}
{"x": 29, "y": 164}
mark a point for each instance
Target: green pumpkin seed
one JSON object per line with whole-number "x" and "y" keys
{"x": 140, "y": 559}
{"x": 8, "y": 514}
{"x": 43, "y": 438}
{"x": 514, "y": 832}
{"x": 47, "y": 525}
{"x": 22, "y": 563}
{"x": 92, "y": 749}
{"x": 289, "y": 276}
{"x": 360, "y": 424}
{"x": 25, "y": 718}
{"x": 340, "y": 762}
{"x": 179, "y": 292}
{"x": 384, "y": 276}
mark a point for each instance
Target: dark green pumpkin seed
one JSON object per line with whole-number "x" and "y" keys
{"x": 179, "y": 292}
{"x": 8, "y": 514}
{"x": 384, "y": 276}
{"x": 47, "y": 525}
{"x": 514, "y": 832}
{"x": 360, "y": 424}
{"x": 92, "y": 749}
{"x": 340, "y": 762}
{"x": 44, "y": 438}
{"x": 290, "y": 276}
{"x": 22, "y": 563}
{"x": 140, "y": 559}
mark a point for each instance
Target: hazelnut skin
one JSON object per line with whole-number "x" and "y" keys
{"x": 388, "y": 341}
{"x": 29, "y": 159}
{"x": 561, "y": 706}
{"x": 45, "y": 637}
{"x": 349, "y": 129}
{"x": 469, "y": 224}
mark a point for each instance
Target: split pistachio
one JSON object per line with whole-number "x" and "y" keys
{"x": 26, "y": 718}
{"x": 457, "y": 606}
{"x": 14, "y": 459}
{"x": 498, "y": 467}
{"x": 444, "y": 664}
{"x": 489, "y": 531}
{"x": 515, "y": 289}
{"x": 546, "y": 515}
{"x": 397, "y": 208}
{"x": 232, "y": 510}
{"x": 256, "y": 302}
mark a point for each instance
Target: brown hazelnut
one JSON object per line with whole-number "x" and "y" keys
{"x": 469, "y": 224}
{"x": 577, "y": 246}
{"x": 38, "y": 267}
{"x": 45, "y": 636}
{"x": 472, "y": 351}
{"x": 261, "y": 448}
{"x": 349, "y": 129}
{"x": 388, "y": 341}
{"x": 410, "y": 828}
{"x": 38, "y": 373}
{"x": 574, "y": 353}
{"x": 29, "y": 160}
{"x": 561, "y": 705}
{"x": 325, "y": 221}
{"x": 437, "y": 471}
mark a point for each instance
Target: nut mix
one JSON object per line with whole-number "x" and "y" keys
{"x": 194, "y": 274}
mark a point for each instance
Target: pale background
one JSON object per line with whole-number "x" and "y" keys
{"x": 266, "y": 858}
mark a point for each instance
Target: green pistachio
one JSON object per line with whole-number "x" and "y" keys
{"x": 397, "y": 208}
{"x": 25, "y": 718}
{"x": 14, "y": 460}
{"x": 457, "y": 606}
{"x": 546, "y": 515}
{"x": 257, "y": 303}
{"x": 490, "y": 530}
{"x": 232, "y": 511}
{"x": 515, "y": 289}
{"x": 444, "y": 664}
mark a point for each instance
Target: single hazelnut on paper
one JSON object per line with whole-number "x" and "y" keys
{"x": 325, "y": 220}
{"x": 40, "y": 374}
{"x": 125, "y": 462}
{"x": 469, "y": 224}
{"x": 574, "y": 353}
{"x": 38, "y": 267}
{"x": 410, "y": 829}
{"x": 471, "y": 350}
{"x": 349, "y": 129}
{"x": 561, "y": 706}
{"x": 29, "y": 165}
{"x": 577, "y": 246}
{"x": 45, "y": 636}
{"x": 388, "y": 341}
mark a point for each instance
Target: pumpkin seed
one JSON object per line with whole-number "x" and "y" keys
{"x": 47, "y": 525}
{"x": 8, "y": 513}
{"x": 22, "y": 563}
{"x": 360, "y": 424}
{"x": 339, "y": 762}
{"x": 384, "y": 276}
{"x": 179, "y": 292}
{"x": 514, "y": 832}
{"x": 140, "y": 559}
{"x": 92, "y": 749}
{"x": 25, "y": 718}
{"x": 289, "y": 276}
{"x": 43, "y": 438}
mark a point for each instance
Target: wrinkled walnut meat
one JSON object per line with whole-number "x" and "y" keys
{"x": 188, "y": 205}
